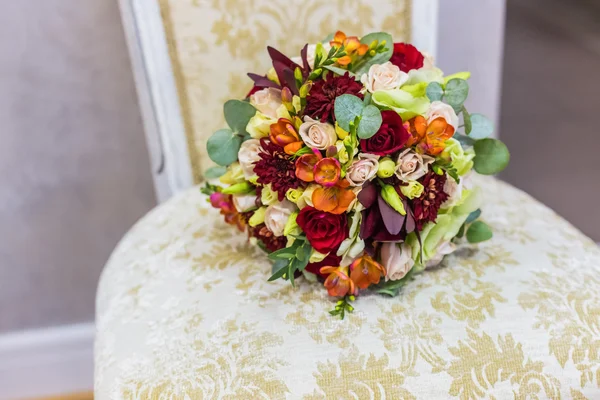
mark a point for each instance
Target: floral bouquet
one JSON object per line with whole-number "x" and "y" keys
{"x": 346, "y": 164}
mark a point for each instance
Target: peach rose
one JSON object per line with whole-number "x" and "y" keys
{"x": 248, "y": 155}
{"x": 438, "y": 109}
{"x": 363, "y": 169}
{"x": 411, "y": 165}
{"x": 317, "y": 134}
{"x": 443, "y": 250}
{"x": 277, "y": 215}
{"x": 386, "y": 76}
{"x": 245, "y": 202}
{"x": 267, "y": 101}
{"x": 397, "y": 260}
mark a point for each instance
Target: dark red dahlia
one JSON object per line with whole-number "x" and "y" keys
{"x": 407, "y": 57}
{"x": 277, "y": 168}
{"x": 271, "y": 242}
{"x": 426, "y": 207}
{"x": 321, "y": 98}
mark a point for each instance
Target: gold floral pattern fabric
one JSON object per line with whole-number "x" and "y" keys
{"x": 184, "y": 311}
{"x": 214, "y": 43}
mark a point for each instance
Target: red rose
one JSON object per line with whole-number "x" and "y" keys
{"x": 407, "y": 57}
{"x": 324, "y": 231}
{"x": 390, "y": 137}
{"x": 331, "y": 260}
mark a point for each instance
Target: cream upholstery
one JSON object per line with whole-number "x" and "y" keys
{"x": 214, "y": 43}
{"x": 184, "y": 311}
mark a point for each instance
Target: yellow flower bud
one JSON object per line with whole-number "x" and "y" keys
{"x": 316, "y": 257}
{"x": 268, "y": 196}
{"x": 387, "y": 166}
{"x": 413, "y": 190}
{"x": 297, "y": 103}
{"x": 294, "y": 195}
{"x": 272, "y": 76}
{"x": 234, "y": 174}
{"x": 342, "y": 153}
{"x": 389, "y": 194}
{"x": 239, "y": 188}
{"x": 258, "y": 217}
{"x": 341, "y": 133}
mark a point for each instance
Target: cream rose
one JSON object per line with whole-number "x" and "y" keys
{"x": 311, "y": 53}
{"x": 397, "y": 259}
{"x": 428, "y": 60}
{"x": 412, "y": 166}
{"x": 244, "y": 203}
{"x": 277, "y": 215}
{"x": 363, "y": 169}
{"x": 438, "y": 109}
{"x": 443, "y": 250}
{"x": 267, "y": 101}
{"x": 386, "y": 76}
{"x": 248, "y": 155}
{"x": 317, "y": 134}
{"x": 454, "y": 192}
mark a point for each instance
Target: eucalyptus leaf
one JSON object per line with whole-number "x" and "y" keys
{"x": 346, "y": 108}
{"x": 237, "y": 114}
{"x": 473, "y": 216}
{"x": 328, "y": 38}
{"x": 479, "y": 231}
{"x": 339, "y": 71}
{"x": 370, "y": 122}
{"x": 482, "y": 127}
{"x": 223, "y": 147}
{"x": 491, "y": 156}
{"x": 379, "y": 58}
{"x": 215, "y": 172}
{"x": 434, "y": 91}
{"x": 465, "y": 141}
{"x": 457, "y": 91}
{"x": 467, "y": 121}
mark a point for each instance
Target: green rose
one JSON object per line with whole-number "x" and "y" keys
{"x": 461, "y": 160}
{"x": 386, "y": 168}
{"x": 234, "y": 174}
{"x": 268, "y": 196}
{"x": 294, "y": 195}
{"x": 291, "y": 226}
{"x": 404, "y": 103}
{"x": 412, "y": 190}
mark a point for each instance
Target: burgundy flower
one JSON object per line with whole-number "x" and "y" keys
{"x": 277, "y": 168}
{"x": 271, "y": 242}
{"x": 374, "y": 226}
{"x": 391, "y": 136}
{"x": 407, "y": 57}
{"x": 324, "y": 231}
{"x": 332, "y": 260}
{"x": 321, "y": 98}
{"x": 426, "y": 207}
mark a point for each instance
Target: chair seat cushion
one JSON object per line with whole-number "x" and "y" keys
{"x": 184, "y": 311}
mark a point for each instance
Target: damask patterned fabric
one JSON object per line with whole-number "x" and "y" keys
{"x": 184, "y": 311}
{"x": 214, "y": 43}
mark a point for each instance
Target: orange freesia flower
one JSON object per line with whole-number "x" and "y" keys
{"x": 335, "y": 199}
{"x": 338, "y": 283}
{"x": 284, "y": 134}
{"x": 305, "y": 165}
{"x": 365, "y": 271}
{"x": 429, "y": 138}
{"x": 351, "y": 45}
{"x": 327, "y": 172}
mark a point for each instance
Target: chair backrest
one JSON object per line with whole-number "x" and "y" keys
{"x": 190, "y": 56}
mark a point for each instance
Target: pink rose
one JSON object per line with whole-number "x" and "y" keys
{"x": 267, "y": 101}
{"x": 396, "y": 258}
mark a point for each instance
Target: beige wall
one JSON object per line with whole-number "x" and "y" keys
{"x": 74, "y": 171}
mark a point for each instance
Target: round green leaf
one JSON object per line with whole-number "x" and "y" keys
{"x": 346, "y": 108}
{"x": 457, "y": 91}
{"x": 434, "y": 91}
{"x": 379, "y": 58}
{"x": 481, "y": 126}
{"x": 370, "y": 122}
{"x": 491, "y": 156}
{"x": 237, "y": 114}
{"x": 223, "y": 147}
{"x": 479, "y": 231}
{"x": 215, "y": 172}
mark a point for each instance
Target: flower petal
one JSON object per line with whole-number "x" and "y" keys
{"x": 305, "y": 166}
{"x": 327, "y": 172}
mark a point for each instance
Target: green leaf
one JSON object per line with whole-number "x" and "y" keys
{"x": 279, "y": 268}
{"x": 479, "y": 231}
{"x": 370, "y": 122}
{"x": 339, "y": 71}
{"x": 482, "y": 127}
{"x": 237, "y": 114}
{"x": 467, "y": 120}
{"x": 457, "y": 91}
{"x": 434, "y": 91}
{"x": 461, "y": 232}
{"x": 465, "y": 141}
{"x": 491, "y": 156}
{"x": 328, "y": 38}
{"x": 473, "y": 216}
{"x": 223, "y": 147}
{"x": 379, "y": 58}
{"x": 346, "y": 108}
{"x": 214, "y": 172}
{"x": 392, "y": 288}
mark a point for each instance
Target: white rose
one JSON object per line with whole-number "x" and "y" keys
{"x": 245, "y": 202}
{"x": 277, "y": 215}
{"x": 453, "y": 190}
{"x": 317, "y": 134}
{"x": 429, "y": 61}
{"x": 443, "y": 250}
{"x": 412, "y": 166}
{"x": 397, "y": 260}
{"x": 386, "y": 76}
{"x": 267, "y": 101}
{"x": 248, "y": 155}
{"x": 363, "y": 169}
{"x": 311, "y": 53}
{"x": 438, "y": 109}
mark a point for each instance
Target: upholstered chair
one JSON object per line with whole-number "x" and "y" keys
{"x": 184, "y": 309}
